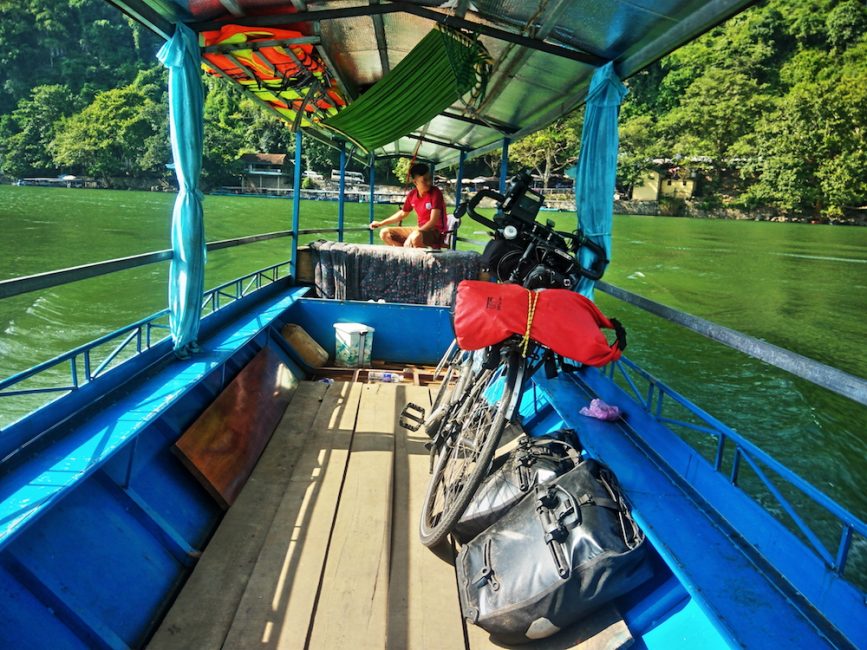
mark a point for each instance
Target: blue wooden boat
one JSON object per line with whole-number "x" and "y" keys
{"x": 109, "y": 540}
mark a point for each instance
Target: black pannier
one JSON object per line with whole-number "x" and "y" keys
{"x": 533, "y": 462}
{"x": 501, "y": 257}
{"x": 567, "y": 548}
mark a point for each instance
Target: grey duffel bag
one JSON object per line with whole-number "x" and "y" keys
{"x": 533, "y": 462}
{"x": 567, "y": 548}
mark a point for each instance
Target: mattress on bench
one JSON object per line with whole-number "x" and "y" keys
{"x": 404, "y": 275}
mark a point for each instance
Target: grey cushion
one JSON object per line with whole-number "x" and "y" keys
{"x": 394, "y": 274}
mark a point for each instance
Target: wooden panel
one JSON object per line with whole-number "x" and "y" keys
{"x": 352, "y": 610}
{"x": 222, "y": 446}
{"x": 423, "y": 599}
{"x": 278, "y": 603}
{"x": 203, "y": 612}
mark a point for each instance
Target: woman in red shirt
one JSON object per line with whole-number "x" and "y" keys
{"x": 429, "y": 205}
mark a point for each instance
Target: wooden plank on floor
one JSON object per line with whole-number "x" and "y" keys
{"x": 205, "y": 608}
{"x": 222, "y": 446}
{"x": 423, "y": 600}
{"x": 277, "y": 605}
{"x": 352, "y": 609}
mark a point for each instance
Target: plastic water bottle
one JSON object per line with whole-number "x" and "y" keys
{"x": 385, "y": 377}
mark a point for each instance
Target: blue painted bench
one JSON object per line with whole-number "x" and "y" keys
{"x": 718, "y": 542}
{"x": 30, "y": 488}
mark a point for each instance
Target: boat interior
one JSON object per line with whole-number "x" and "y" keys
{"x": 168, "y": 515}
{"x": 239, "y": 498}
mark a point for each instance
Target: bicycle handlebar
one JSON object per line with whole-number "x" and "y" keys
{"x": 596, "y": 269}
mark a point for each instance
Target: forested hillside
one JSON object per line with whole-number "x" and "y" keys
{"x": 767, "y": 110}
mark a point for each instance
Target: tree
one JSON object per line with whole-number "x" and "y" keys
{"x": 551, "y": 149}
{"x": 115, "y": 134}
{"x": 846, "y": 23}
{"x": 400, "y": 168}
{"x": 28, "y": 131}
{"x": 638, "y": 147}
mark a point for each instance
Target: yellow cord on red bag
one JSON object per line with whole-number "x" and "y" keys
{"x": 525, "y": 342}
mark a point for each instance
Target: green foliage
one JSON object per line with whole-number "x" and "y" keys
{"x": 25, "y": 134}
{"x": 846, "y": 23}
{"x": 770, "y": 108}
{"x": 552, "y": 149}
{"x": 122, "y": 132}
{"x": 400, "y": 168}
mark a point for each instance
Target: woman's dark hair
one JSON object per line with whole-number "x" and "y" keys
{"x": 418, "y": 169}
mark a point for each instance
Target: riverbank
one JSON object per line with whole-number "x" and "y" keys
{"x": 564, "y": 202}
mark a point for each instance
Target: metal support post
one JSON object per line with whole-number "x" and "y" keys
{"x": 459, "y": 190}
{"x": 370, "y": 218}
{"x": 341, "y": 188}
{"x": 296, "y": 206}
{"x": 504, "y": 163}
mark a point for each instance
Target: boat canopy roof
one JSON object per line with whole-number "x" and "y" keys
{"x": 543, "y": 53}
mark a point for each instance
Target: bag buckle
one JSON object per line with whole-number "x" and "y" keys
{"x": 486, "y": 573}
{"x": 412, "y": 417}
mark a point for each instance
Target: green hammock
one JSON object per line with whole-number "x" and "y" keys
{"x": 438, "y": 71}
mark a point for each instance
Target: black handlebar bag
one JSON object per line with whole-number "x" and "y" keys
{"x": 567, "y": 548}
{"x": 533, "y": 462}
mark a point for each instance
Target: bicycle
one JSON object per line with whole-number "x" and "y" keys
{"x": 467, "y": 421}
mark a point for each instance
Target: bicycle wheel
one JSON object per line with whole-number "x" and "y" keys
{"x": 449, "y": 366}
{"x": 447, "y": 396}
{"x": 466, "y": 452}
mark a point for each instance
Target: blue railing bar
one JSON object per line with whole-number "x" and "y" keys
{"x": 35, "y": 391}
{"x": 147, "y": 321}
{"x": 73, "y": 372}
{"x": 474, "y": 242}
{"x": 690, "y": 425}
{"x": 87, "y": 375}
{"x": 720, "y": 450}
{"x": 18, "y": 286}
{"x": 837, "y": 381}
{"x": 252, "y": 239}
{"x": 843, "y": 549}
{"x": 790, "y": 510}
{"x": 747, "y": 446}
{"x": 736, "y": 465}
{"x": 320, "y": 231}
{"x": 254, "y": 282}
{"x": 632, "y": 385}
{"x": 659, "y": 404}
{"x": 116, "y": 351}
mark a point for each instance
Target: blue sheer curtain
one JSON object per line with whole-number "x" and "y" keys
{"x": 597, "y": 165}
{"x": 187, "y": 273}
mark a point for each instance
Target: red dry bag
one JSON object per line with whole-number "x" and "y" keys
{"x": 564, "y": 321}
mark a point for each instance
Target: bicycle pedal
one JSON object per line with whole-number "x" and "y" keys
{"x": 412, "y": 417}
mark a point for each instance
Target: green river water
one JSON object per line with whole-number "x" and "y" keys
{"x": 802, "y": 287}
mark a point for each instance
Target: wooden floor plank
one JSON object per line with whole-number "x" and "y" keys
{"x": 202, "y": 614}
{"x": 352, "y": 610}
{"x": 423, "y": 600}
{"x": 277, "y": 606}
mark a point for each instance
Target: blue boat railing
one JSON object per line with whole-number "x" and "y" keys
{"x": 37, "y": 282}
{"x": 132, "y": 339}
{"x": 656, "y": 397}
